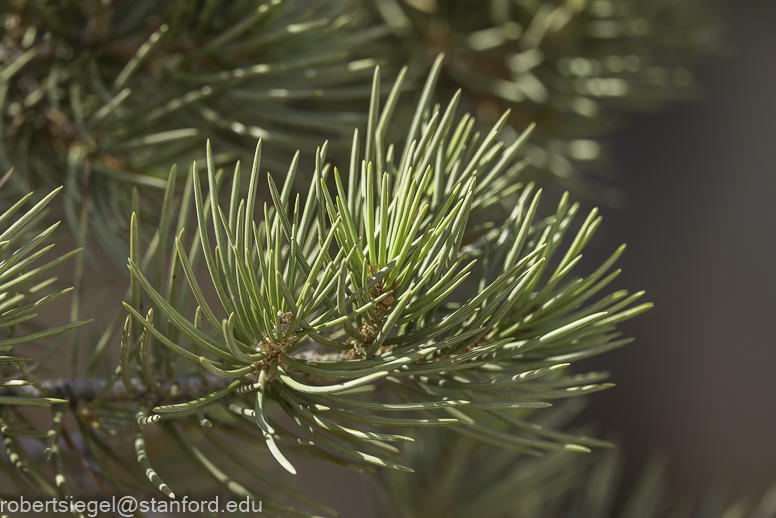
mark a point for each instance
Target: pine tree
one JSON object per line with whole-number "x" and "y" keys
{"x": 412, "y": 289}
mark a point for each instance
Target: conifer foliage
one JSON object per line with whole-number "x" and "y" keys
{"x": 325, "y": 300}
{"x": 572, "y": 67}
{"x": 413, "y": 309}
{"x": 102, "y": 96}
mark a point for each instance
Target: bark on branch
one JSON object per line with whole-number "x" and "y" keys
{"x": 86, "y": 390}
{"x": 187, "y": 388}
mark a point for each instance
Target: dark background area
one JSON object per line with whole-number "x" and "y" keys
{"x": 699, "y": 383}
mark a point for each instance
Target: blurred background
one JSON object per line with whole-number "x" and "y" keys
{"x": 699, "y": 384}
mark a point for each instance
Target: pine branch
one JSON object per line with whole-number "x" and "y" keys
{"x": 356, "y": 287}
{"x": 366, "y": 274}
{"x": 78, "y": 391}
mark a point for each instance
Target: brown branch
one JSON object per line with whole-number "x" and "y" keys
{"x": 86, "y": 390}
{"x": 189, "y": 388}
